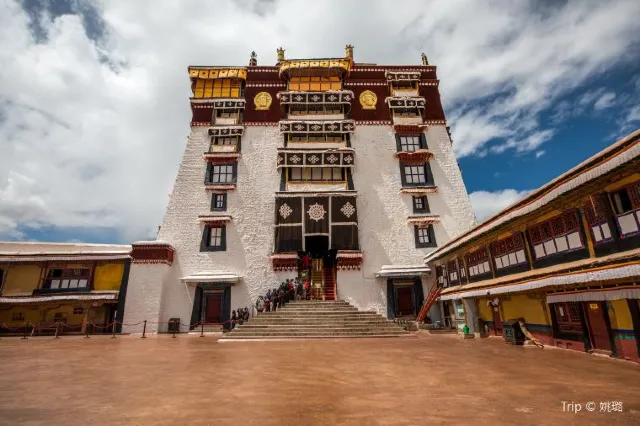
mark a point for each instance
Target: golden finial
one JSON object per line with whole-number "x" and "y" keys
{"x": 425, "y": 61}
{"x": 280, "y": 54}
{"x": 253, "y": 61}
{"x": 348, "y": 49}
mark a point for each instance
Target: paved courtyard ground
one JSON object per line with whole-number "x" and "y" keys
{"x": 415, "y": 380}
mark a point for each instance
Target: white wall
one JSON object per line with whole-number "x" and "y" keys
{"x": 144, "y": 296}
{"x": 366, "y": 294}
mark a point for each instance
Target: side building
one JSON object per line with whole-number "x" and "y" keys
{"x": 566, "y": 259}
{"x": 349, "y": 165}
{"x": 76, "y": 285}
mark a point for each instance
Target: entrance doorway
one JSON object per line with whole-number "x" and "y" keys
{"x": 404, "y": 299}
{"x": 213, "y": 307}
{"x": 317, "y": 245}
{"x": 598, "y": 329}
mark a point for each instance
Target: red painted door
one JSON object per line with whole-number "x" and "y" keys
{"x": 598, "y": 330}
{"x": 497, "y": 321}
{"x": 213, "y": 311}
{"x": 405, "y": 302}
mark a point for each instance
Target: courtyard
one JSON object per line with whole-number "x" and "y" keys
{"x": 414, "y": 380}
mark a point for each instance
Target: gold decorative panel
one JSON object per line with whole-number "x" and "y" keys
{"x": 368, "y": 99}
{"x": 263, "y": 101}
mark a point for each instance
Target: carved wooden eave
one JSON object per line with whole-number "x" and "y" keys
{"x": 420, "y": 190}
{"x": 284, "y": 261}
{"x": 410, "y": 129}
{"x": 423, "y": 221}
{"x": 308, "y": 67}
{"x": 342, "y": 157}
{"x": 343, "y": 97}
{"x": 405, "y": 102}
{"x": 222, "y": 157}
{"x": 417, "y": 157}
{"x": 402, "y": 75}
{"x": 211, "y": 219}
{"x": 152, "y": 252}
{"x": 224, "y": 187}
{"x": 349, "y": 259}
{"x": 218, "y": 103}
{"x": 226, "y": 130}
{"x": 196, "y": 72}
{"x": 309, "y": 126}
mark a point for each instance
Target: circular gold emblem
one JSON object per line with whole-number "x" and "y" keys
{"x": 262, "y": 101}
{"x": 368, "y": 99}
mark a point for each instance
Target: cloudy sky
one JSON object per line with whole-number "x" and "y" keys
{"x": 94, "y": 105}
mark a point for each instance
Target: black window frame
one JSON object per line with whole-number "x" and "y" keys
{"x": 237, "y": 144}
{"x": 214, "y": 204}
{"x": 422, "y": 142}
{"x": 425, "y": 204}
{"x": 205, "y": 244}
{"x": 428, "y": 175}
{"x": 430, "y": 233}
{"x": 210, "y": 169}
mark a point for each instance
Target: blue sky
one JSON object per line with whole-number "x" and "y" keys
{"x": 94, "y": 94}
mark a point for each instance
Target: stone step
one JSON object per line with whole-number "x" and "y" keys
{"x": 319, "y": 321}
{"x": 315, "y": 333}
{"x": 229, "y": 337}
{"x": 316, "y": 326}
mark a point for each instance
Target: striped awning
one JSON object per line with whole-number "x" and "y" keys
{"x": 60, "y": 297}
{"x": 615, "y": 293}
{"x": 45, "y": 258}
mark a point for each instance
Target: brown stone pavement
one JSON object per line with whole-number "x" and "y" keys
{"x": 411, "y": 380}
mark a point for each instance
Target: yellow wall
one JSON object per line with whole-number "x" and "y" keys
{"x": 108, "y": 276}
{"x": 484, "y": 311}
{"x": 623, "y": 182}
{"x": 521, "y": 306}
{"x": 620, "y": 317}
{"x": 31, "y": 316}
{"x": 72, "y": 319}
{"x": 21, "y": 279}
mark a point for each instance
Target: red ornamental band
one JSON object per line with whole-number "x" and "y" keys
{"x": 417, "y": 157}
{"x": 152, "y": 253}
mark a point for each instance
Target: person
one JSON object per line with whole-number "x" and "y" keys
{"x": 234, "y": 319}
{"x": 306, "y": 261}
{"x": 307, "y": 289}
{"x": 281, "y": 295}
{"x": 292, "y": 290}
{"x": 246, "y": 313}
{"x": 260, "y": 304}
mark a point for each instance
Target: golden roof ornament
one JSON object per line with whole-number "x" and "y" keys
{"x": 348, "y": 49}
{"x": 253, "y": 61}
{"x": 425, "y": 61}
{"x": 280, "y": 51}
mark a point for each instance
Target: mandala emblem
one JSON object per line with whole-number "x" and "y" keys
{"x": 298, "y": 98}
{"x": 332, "y": 159}
{"x": 313, "y": 159}
{"x": 333, "y": 127}
{"x": 332, "y": 97}
{"x": 295, "y": 159}
{"x": 283, "y": 128}
{"x": 316, "y": 98}
{"x": 280, "y": 159}
{"x": 299, "y": 127}
{"x": 348, "y": 159}
{"x": 348, "y": 210}
{"x": 347, "y": 98}
{"x": 316, "y": 212}
{"x": 284, "y": 98}
{"x": 285, "y": 211}
{"x": 315, "y": 127}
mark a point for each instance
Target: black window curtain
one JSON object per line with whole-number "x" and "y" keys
{"x": 288, "y": 238}
{"x": 344, "y": 209}
{"x": 316, "y": 215}
{"x": 344, "y": 237}
{"x": 288, "y": 210}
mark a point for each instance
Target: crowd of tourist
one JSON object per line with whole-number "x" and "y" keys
{"x": 289, "y": 290}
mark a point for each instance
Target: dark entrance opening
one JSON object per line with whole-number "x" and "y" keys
{"x": 317, "y": 245}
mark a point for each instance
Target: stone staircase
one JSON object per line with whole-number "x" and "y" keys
{"x": 315, "y": 319}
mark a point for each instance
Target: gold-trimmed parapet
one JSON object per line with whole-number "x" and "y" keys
{"x": 214, "y": 72}
{"x": 309, "y": 67}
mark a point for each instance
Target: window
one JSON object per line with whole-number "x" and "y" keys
{"x": 597, "y": 210}
{"x": 452, "y": 269}
{"x": 17, "y": 316}
{"x": 415, "y": 175}
{"x": 67, "y": 278}
{"x": 316, "y": 174}
{"x": 217, "y": 88}
{"x": 406, "y": 112}
{"x": 214, "y": 238}
{"x": 227, "y": 113}
{"x": 221, "y": 173}
{"x": 440, "y": 279}
{"x": 310, "y": 109}
{"x": 315, "y": 84}
{"x": 508, "y": 252}
{"x": 626, "y": 204}
{"x": 420, "y": 204}
{"x": 317, "y": 137}
{"x": 219, "y": 202}
{"x": 478, "y": 262}
{"x": 409, "y": 143}
{"x": 425, "y": 236}
{"x": 225, "y": 143}
{"x": 558, "y": 235}
{"x": 568, "y": 317}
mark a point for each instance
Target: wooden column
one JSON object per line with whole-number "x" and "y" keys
{"x": 85, "y": 318}
{"x": 527, "y": 246}
{"x": 587, "y": 232}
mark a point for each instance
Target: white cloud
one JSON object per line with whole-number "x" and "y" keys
{"x": 605, "y": 101}
{"x": 540, "y": 153}
{"x": 92, "y": 132}
{"x": 486, "y": 204}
